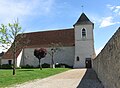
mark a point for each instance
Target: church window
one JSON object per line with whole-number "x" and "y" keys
{"x": 77, "y": 58}
{"x": 83, "y": 33}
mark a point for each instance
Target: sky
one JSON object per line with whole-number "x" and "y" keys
{"x": 42, "y": 15}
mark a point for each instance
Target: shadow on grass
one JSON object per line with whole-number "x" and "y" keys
{"x": 90, "y": 80}
{"x": 25, "y": 70}
{"x": 6, "y": 69}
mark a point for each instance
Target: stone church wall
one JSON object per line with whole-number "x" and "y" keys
{"x": 64, "y": 56}
{"x": 107, "y": 63}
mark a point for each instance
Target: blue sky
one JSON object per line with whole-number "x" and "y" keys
{"x": 41, "y": 15}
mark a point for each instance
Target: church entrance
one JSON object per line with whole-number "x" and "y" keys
{"x": 88, "y": 63}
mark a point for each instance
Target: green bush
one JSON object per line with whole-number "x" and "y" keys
{"x": 27, "y": 66}
{"x": 6, "y": 66}
{"x": 45, "y": 65}
{"x": 61, "y": 65}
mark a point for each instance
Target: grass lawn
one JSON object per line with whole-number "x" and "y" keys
{"x": 23, "y": 75}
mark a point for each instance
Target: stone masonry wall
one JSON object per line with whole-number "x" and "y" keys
{"x": 107, "y": 63}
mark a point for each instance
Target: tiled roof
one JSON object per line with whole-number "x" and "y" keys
{"x": 43, "y": 39}
{"x": 83, "y": 20}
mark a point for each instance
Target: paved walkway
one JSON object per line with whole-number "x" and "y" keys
{"x": 75, "y": 78}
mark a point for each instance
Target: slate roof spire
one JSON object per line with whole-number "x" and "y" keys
{"x": 83, "y": 20}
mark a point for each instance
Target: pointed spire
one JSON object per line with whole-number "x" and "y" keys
{"x": 83, "y": 20}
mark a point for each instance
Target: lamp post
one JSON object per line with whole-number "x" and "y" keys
{"x": 52, "y": 63}
{"x": 53, "y": 50}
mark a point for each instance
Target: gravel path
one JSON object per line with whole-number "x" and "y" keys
{"x": 75, "y": 78}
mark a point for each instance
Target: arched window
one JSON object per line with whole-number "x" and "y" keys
{"x": 83, "y": 33}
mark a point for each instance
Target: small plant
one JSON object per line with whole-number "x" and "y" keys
{"x": 40, "y": 53}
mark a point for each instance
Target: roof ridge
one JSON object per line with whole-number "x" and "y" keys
{"x": 49, "y": 30}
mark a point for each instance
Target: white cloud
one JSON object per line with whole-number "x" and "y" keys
{"x": 111, "y": 20}
{"x": 11, "y": 9}
{"x": 115, "y": 9}
{"x": 107, "y": 22}
{"x": 99, "y": 50}
{"x": 4, "y": 47}
{"x": 110, "y": 7}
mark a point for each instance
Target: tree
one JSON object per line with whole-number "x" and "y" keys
{"x": 8, "y": 36}
{"x": 54, "y": 48}
{"x": 40, "y": 53}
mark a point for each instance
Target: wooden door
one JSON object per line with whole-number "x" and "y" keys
{"x": 88, "y": 63}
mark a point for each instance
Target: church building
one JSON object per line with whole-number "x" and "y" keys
{"x": 74, "y": 46}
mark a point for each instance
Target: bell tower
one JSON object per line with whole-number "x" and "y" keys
{"x": 84, "y": 42}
